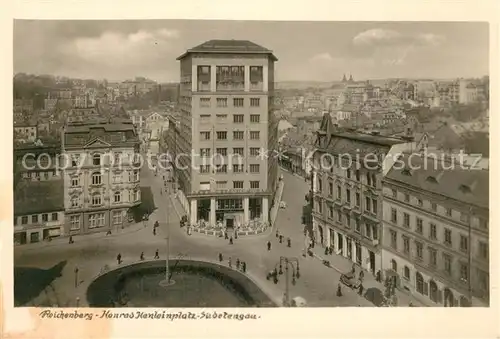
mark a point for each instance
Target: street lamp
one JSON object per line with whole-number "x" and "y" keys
{"x": 291, "y": 264}
{"x": 167, "y": 280}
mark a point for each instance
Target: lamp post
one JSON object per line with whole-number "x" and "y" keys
{"x": 76, "y": 277}
{"x": 290, "y": 264}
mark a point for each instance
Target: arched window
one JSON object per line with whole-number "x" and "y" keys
{"x": 394, "y": 265}
{"x": 118, "y": 196}
{"x": 96, "y": 178}
{"x": 449, "y": 299}
{"x": 407, "y": 272}
{"x": 75, "y": 201}
{"x": 96, "y": 159}
{"x": 433, "y": 291}
{"x": 420, "y": 283}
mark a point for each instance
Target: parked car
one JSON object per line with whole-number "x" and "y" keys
{"x": 298, "y": 302}
{"x": 349, "y": 279}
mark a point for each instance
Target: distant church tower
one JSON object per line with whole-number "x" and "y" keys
{"x": 351, "y": 79}
{"x": 344, "y": 79}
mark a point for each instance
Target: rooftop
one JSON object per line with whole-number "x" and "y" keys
{"x": 32, "y": 197}
{"x": 229, "y": 47}
{"x": 470, "y": 186}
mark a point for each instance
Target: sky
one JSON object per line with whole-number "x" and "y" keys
{"x": 307, "y": 51}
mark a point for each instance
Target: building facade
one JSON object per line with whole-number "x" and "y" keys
{"x": 101, "y": 176}
{"x": 225, "y": 125}
{"x": 436, "y": 231}
{"x": 348, "y": 168}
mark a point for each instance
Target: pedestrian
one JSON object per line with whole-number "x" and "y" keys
{"x": 108, "y": 232}
{"x": 157, "y": 224}
{"x": 353, "y": 270}
{"x": 231, "y": 241}
{"x": 281, "y": 239}
{"x": 244, "y": 266}
{"x": 71, "y": 239}
{"x": 235, "y": 235}
{"x": 361, "y": 275}
{"x": 289, "y": 242}
{"x": 230, "y": 263}
{"x": 142, "y": 256}
{"x": 226, "y": 236}
{"x": 119, "y": 258}
{"x": 154, "y": 230}
{"x": 237, "y": 263}
{"x": 268, "y": 245}
{"x": 361, "y": 288}
{"x": 277, "y": 233}
{"x": 221, "y": 258}
{"x": 339, "y": 290}
{"x": 156, "y": 255}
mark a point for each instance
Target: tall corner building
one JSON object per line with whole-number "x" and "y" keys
{"x": 225, "y": 141}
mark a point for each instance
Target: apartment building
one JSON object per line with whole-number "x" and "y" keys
{"x": 37, "y": 162}
{"x": 348, "y": 168}
{"x": 101, "y": 182}
{"x": 435, "y": 238}
{"x": 226, "y": 102}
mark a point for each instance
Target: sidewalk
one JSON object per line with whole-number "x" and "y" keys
{"x": 344, "y": 265}
{"x": 81, "y": 238}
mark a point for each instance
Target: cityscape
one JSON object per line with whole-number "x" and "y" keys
{"x": 216, "y": 164}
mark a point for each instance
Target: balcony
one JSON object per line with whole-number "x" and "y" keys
{"x": 204, "y": 86}
{"x": 256, "y": 86}
{"x": 230, "y": 86}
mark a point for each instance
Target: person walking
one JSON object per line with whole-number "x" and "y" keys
{"x": 154, "y": 230}
{"x": 277, "y": 233}
{"x": 156, "y": 255}
{"x": 244, "y": 266}
{"x": 339, "y": 290}
{"x": 119, "y": 258}
{"x": 226, "y": 236}
{"x": 231, "y": 241}
{"x": 289, "y": 242}
{"x": 281, "y": 238}
{"x": 142, "y": 256}
{"x": 268, "y": 245}
{"x": 221, "y": 258}
{"x": 237, "y": 263}
{"x": 71, "y": 239}
{"x": 229, "y": 262}
{"x": 361, "y": 288}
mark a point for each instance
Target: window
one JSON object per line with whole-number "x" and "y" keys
{"x": 347, "y": 221}
{"x": 238, "y": 151}
{"x": 254, "y": 102}
{"x": 420, "y": 226}
{"x": 419, "y": 250}
{"x": 447, "y": 237}
{"x": 406, "y": 245}
{"x": 358, "y": 177}
{"x": 368, "y": 231}
{"x": 432, "y": 231}
{"x": 330, "y": 189}
{"x": 464, "y": 243}
{"x": 221, "y": 152}
{"x": 221, "y": 117}
{"x": 368, "y": 204}
{"x": 238, "y": 184}
{"x": 204, "y": 102}
{"x": 24, "y": 220}
{"x": 238, "y": 102}
{"x": 357, "y": 226}
{"x": 434, "y": 207}
{"x": 45, "y": 217}
{"x": 238, "y": 118}
{"x": 205, "y": 152}
{"x": 118, "y": 196}
{"x": 74, "y": 222}
{"x": 348, "y": 195}
{"x": 221, "y": 185}
{"x": 420, "y": 202}
{"x": 75, "y": 181}
{"x": 136, "y": 176}
{"x": 339, "y": 217}
{"x": 222, "y": 135}
{"x": 254, "y": 168}
{"x": 205, "y": 118}
{"x": 75, "y": 160}
{"x": 394, "y": 194}
{"x": 221, "y": 102}
{"x": 420, "y": 283}
{"x": 96, "y": 220}
{"x": 254, "y": 151}
{"x": 204, "y": 135}
{"x": 204, "y": 169}
{"x": 339, "y": 193}
{"x": 238, "y": 135}
{"x": 75, "y": 202}
{"x": 406, "y": 272}
{"x": 464, "y": 217}
{"x": 374, "y": 205}
{"x": 447, "y": 263}
{"x": 117, "y": 178}
{"x": 117, "y": 217}
{"x": 407, "y": 197}
{"x": 96, "y": 160}
{"x": 254, "y": 135}
{"x": 464, "y": 272}
{"x": 348, "y": 173}
{"x": 238, "y": 168}
{"x": 483, "y": 223}
{"x": 96, "y": 178}
{"x": 406, "y": 220}
{"x": 358, "y": 199}
{"x": 394, "y": 239}
{"x": 96, "y": 200}
{"x": 483, "y": 250}
{"x": 394, "y": 216}
{"x": 34, "y": 219}
{"x": 254, "y": 118}
{"x": 254, "y": 184}
{"x": 221, "y": 168}
{"x": 432, "y": 257}
{"x": 449, "y": 212}
{"x": 330, "y": 212}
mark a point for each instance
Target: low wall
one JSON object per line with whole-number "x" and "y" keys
{"x": 102, "y": 290}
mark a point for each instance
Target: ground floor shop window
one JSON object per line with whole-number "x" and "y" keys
{"x": 117, "y": 217}
{"x": 35, "y": 237}
{"x": 96, "y": 220}
{"x": 74, "y": 222}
